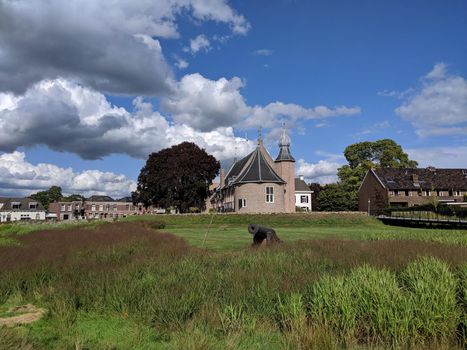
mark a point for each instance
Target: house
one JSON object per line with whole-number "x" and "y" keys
{"x": 302, "y": 194}
{"x": 99, "y": 207}
{"x": 105, "y": 207}
{"x": 20, "y": 209}
{"x": 67, "y": 210}
{"x": 259, "y": 184}
{"x": 407, "y": 187}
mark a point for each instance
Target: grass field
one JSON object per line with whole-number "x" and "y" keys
{"x": 338, "y": 281}
{"x": 229, "y": 232}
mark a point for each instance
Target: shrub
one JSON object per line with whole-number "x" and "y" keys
{"x": 157, "y": 225}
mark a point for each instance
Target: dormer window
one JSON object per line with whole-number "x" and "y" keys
{"x": 33, "y": 205}
{"x": 15, "y": 205}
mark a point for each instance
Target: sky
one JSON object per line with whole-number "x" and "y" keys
{"x": 88, "y": 89}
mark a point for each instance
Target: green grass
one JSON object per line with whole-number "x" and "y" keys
{"x": 153, "y": 291}
{"x": 229, "y": 232}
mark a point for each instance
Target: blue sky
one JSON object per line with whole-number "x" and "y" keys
{"x": 86, "y": 95}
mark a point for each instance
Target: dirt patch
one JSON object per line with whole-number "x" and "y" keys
{"x": 24, "y": 314}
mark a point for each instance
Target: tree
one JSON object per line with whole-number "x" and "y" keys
{"x": 53, "y": 194}
{"x": 333, "y": 197}
{"x": 177, "y": 177}
{"x": 316, "y": 188}
{"x": 363, "y": 156}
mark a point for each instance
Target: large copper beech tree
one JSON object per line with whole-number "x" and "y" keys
{"x": 177, "y": 177}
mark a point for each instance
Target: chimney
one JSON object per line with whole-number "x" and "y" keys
{"x": 222, "y": 178}
{"x": 301, "y": 177}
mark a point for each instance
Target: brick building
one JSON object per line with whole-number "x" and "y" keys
{"x": 259, "y": 184}
{"x": 99, "y": 207}
{"x": 410, "y": 186}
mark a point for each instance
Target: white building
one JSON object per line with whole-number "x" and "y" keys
{"x": 20, "y": 209}
{"x": 302, "y": 194}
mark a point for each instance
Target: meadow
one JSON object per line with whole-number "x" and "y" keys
{"x": 159, "y": 282}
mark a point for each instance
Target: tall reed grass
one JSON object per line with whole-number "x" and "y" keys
{"x": 310, "y": 295}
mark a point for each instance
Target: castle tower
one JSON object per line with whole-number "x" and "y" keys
{"x": 285, "y": 167}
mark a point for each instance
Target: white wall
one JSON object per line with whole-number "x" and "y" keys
{"x": 298, "y": 203}
{"x": 18, "y": 215}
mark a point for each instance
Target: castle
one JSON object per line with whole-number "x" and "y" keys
{"x": 259, "y": 184}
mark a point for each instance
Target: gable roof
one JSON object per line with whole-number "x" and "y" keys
{"x": 23, "y": 204}
{"x": 425, "y": 178}
{"x": 252, "y": 168}
{"x": 301, "y": 186}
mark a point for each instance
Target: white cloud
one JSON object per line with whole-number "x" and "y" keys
{"x": 439, "y": 107}
{"x": 68, "y": 117}
{"x": 323, "y": 172}
{"x": 207, "y": 104}
{"x": 201, "y": 42}
{"x": 180, "y": 63}
{"x": 263, "y": 52}
{"x": 269, "y": 115}
{"x": 108, "y": 45}
{"x": 440, "y": 157}
{"x": 19, "y": 177}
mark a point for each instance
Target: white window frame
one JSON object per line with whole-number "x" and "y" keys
{"x": 304, "y": 196}
{"x": 93, "y": 207}
{"x": 269, "y": 196}
{"x": 101, "y": 207}
{"x": 15, "y": 205}
{"x": 242, "y": 203}
{"x": 32, "y": 205}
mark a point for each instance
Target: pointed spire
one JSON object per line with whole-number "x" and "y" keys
{"x": 284, "y": 140}
{"x": 260, "y": 138}
{"x": 284, "y": 147}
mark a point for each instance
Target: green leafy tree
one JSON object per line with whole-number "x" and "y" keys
{"x": 333, "y": 197}
{"x": 363, "y": 156}
{"x": 53, "y": 194}
{"x": 177, "y": 177}
{"x": 316, "y": 188}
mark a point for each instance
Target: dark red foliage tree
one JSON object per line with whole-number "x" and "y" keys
{"x": 177, "y": 177}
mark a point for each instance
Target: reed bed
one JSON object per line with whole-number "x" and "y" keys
{"x": 125, "y": 285}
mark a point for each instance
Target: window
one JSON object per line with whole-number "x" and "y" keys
{"x": 241, "y": 203}
{"x": 15, "y": 205}
{"x": 269, "y": 194}
{"x": 33, "y": 205}
{"x": 93, "y": 208}
{"x": 62, "y": 207}
{"x": 101, "y": 207}
{"x": 391, "y": 193}
{"x": 70, "y": 207}
{"x": 303, "y": 199}
{"x": 127, "y": 207}
{"x": 115, "y": 207}
{"x": 76, "y": 206}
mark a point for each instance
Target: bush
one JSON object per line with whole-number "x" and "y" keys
{"x": 157, "y": 225}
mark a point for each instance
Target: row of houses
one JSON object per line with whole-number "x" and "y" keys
{"x": 407, "y": 187}
{"x": 95, "y": 207}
